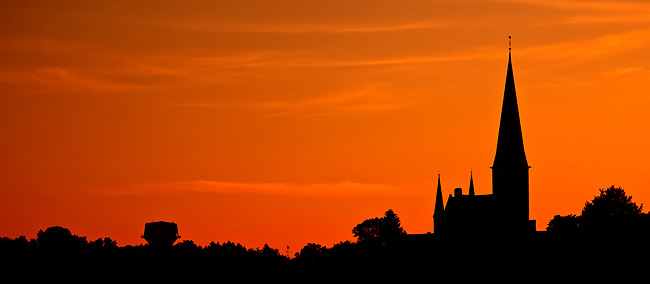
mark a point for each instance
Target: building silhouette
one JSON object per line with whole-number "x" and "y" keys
{"x": 506, "y": 210}
{"x": 161, "y": 233}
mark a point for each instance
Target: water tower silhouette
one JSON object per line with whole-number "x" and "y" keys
{"x": 161, "y": 233}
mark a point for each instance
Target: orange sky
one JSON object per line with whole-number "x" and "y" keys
{"x": 291, "y": 121}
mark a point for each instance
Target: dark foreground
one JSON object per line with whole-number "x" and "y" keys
{"x": 539, "y": 256}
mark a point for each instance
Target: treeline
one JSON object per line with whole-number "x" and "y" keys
{"x": 610, "y": 212}
{"x": 57, "y": 247}
{"x": 612, "y": 233}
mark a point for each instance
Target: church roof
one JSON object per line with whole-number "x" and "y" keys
{"x": 474, "y": 206}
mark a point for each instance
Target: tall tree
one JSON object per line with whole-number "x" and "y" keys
{"x": 392, "y": 229}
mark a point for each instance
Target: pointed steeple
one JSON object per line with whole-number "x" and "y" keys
{"x": 510, "y": 145}
{"x": 510, "y": 177}
{"x": 439, "y": 211}
{"x": 471, "y": 184}
{"x": 440, "y": 207}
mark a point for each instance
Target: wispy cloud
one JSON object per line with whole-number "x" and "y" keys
{"x": 291, "y": 28}
{"x": 593, "y": 47}
{"x": 336, "y": 189}
{"x": 52, "y": 79}
{"x": 615, "y": 18}
{"x": 588, "y": 5}
{"x": 312, "y": 59}
{"x": 625, "y": 71}
{"x": 365, "y": 100}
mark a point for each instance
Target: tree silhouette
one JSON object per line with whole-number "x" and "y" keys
{"x": 187, "y": 245}
{"x": 385, "y": 230}
{"x": 109, "y": 244}
{"x": 392, "y": 230}
{"x": 59, "y": 238}
{"x": 268, "y": 251}
{"x": 310, "y": 252}
{"x": 105, "y": 243}
{"x": 611, "y": 212}
{"x": 612, "y": 201}
{"x": 612, "y": 207}
{"x": 564, "y": 224}
{"x": 368, "y": 230}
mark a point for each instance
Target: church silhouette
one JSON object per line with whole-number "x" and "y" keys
{"x": 506, "y": 210}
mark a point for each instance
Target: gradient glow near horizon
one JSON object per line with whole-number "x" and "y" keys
{"x": 288, "y": 122}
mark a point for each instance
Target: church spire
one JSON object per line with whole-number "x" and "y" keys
{"x": 471, "y": 184}
{"x": 510, "y": 145}
{"x": 510, "y": 178}
{"x": 440, "y": 207}
{"x": 439, "y": 211}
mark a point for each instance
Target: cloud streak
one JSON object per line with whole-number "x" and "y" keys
{"x": 365, "y": 100}
{"x": 588, "y": 5}
{"x": 592, "y": 48}
{"x": 291, "y": 28}
{"x": 336, "y": 189}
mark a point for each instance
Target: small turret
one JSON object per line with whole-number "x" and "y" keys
{"x": 471, "y": 184}
{"x": 439, "y": 210}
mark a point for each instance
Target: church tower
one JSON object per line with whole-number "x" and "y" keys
{"x": 510, "y": 183}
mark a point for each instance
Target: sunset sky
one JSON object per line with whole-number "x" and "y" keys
{"x": 291, "y": 121}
